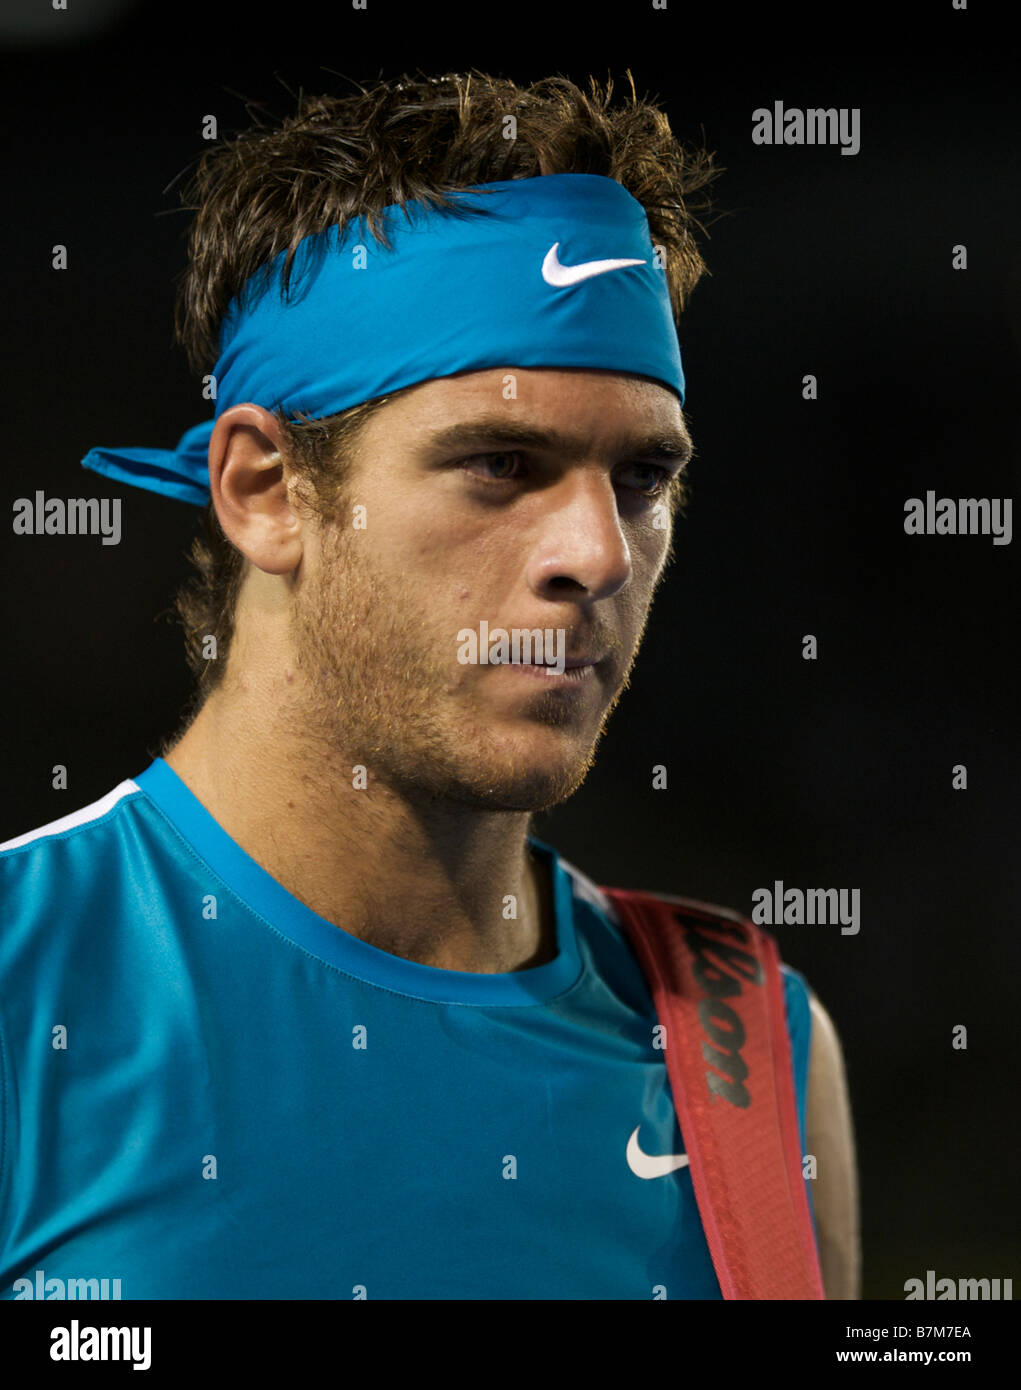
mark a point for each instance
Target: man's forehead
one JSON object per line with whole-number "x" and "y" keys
{"x": 570, "y": 411}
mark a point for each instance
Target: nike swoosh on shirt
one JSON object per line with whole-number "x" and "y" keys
{"x": 560, "y": 275}
{"x": 651, "y": 1165}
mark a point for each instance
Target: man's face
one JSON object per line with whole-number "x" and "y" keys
{"x": 569, "y": 533}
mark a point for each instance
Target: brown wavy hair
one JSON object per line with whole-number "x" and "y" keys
{"x": 339, "y": 157}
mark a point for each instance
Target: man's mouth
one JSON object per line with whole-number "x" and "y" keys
{"x": 576, "y": 669}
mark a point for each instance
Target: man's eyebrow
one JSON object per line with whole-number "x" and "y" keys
{"x": 494, "y": 431}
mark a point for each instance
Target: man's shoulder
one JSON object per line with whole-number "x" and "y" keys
{"x": 588, "y": 891}
{"x": 585, "y": 888}
{"x": 44, "y": 838}
{"x": 51, "y": 872}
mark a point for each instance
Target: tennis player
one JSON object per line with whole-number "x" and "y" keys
{"x": 302, "y": 1009}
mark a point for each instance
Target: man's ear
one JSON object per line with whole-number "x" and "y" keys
{"x": 249, "y": 482}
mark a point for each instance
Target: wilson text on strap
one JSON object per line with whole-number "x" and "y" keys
{"x": 715, "y": 980}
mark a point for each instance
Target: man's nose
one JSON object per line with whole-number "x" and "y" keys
{"x": 580, "y": 544}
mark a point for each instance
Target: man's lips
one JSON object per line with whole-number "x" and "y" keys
{"x": 572, "y": 663}
{"x": 577, "y": 670}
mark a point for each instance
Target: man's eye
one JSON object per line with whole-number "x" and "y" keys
{"x": 648, "y": 479}
{"x": 499, "y": 467}
{"x": 652, "y": 479}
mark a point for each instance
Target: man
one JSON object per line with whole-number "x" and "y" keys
{"x": 303, "y": 1010}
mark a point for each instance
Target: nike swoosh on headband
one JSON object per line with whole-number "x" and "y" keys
{"x": 560, "y": 275}
{"x": 645, "y": 1165}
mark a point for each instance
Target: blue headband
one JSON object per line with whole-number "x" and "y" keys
{"x": 559, "y": 272}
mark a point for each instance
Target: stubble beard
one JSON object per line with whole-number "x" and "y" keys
{"x": 373, "y": 693}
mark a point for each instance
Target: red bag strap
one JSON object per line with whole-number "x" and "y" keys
{"x": 715, "y": 980}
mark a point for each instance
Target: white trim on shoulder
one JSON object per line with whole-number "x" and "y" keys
{"x": 87, "y": 813}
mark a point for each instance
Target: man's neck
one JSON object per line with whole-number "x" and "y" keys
{"x": 445, "y": 885}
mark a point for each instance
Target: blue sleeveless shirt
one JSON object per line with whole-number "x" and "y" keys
{"x": 209, "y": 1091}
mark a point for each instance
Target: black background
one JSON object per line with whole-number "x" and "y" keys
{"x": 833, "y": 773}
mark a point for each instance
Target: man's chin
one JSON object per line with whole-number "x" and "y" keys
{"x": 510, "y": 769}
{"x": 510, "y": 783}
{"x": 537, "y": 792}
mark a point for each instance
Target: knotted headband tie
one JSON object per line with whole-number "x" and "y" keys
{"x": 558, "y": 271}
